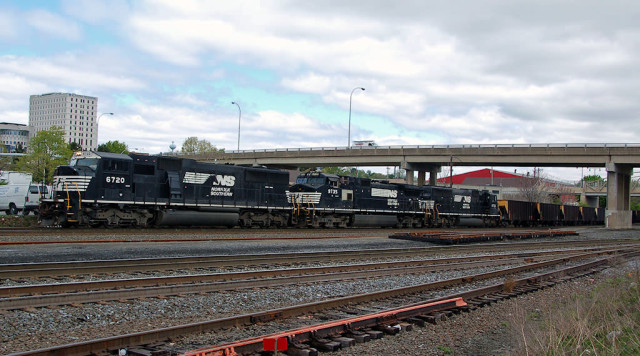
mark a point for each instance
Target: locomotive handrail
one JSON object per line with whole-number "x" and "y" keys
{"x": 66, "y": 189}
{"x": 79, "y": 196}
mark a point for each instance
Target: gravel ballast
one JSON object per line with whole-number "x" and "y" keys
{"x": 483, "y": 332}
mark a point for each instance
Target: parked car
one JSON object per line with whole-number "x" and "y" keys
{"x": 34, "y": 196}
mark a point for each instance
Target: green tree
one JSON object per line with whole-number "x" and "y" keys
{"x": 353, "y": 172}
{"x": 6, "y": 164}
{"x": 341, "y": 171}
{"x": 194, "y": 146}
{"x": 74, "y": 147}
{"x": 114, "y": 147}
{"x": 47, "y": 150}
{"x": 593, "y": 178}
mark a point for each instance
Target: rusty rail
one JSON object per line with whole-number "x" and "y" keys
{"x": 148, "y": 337}
{"x": 476, "y": 297}
{"x": 50, "y": 269}
{"x": 331, "y": 329}
{"x": 122, "y": 289}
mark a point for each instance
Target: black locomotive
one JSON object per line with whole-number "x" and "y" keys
{"x": 109, "y": 189}
{"x": 326, "y": 200}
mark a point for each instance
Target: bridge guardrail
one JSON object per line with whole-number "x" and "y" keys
{"x": 530, "y": 145}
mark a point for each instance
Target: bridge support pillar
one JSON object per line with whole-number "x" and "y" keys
{"x": 421, "y": 168}
{"x": 409, "y": 173}
{"x": 591, "y": 201}
{"x": 433, "y": 175}
{"x": 618, "y": 213}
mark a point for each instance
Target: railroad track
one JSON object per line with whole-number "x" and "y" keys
{"x": 29, "y": 236}
{"x": 19, "y": 272}
{"x": 334, "y": 335}
{"x": 144, "y": 340}
{"x": 42, "y": 295}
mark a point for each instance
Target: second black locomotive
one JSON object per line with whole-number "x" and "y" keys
{"x": 326, "y": 200}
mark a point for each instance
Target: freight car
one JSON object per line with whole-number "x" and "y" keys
{"x": 571, "y": 214}
{"x": 589, "y": 215}
{"x": 326, "y": 200}
{"x": 523, "y": 213}
{"x": 106, "y": 189}
{"x": 518, "y": 213}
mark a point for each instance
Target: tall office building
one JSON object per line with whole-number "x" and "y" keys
{"x": 76, "y": 114}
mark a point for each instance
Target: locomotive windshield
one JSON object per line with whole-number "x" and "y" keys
{"x": 91, "y": 163}
{"x": 315, "y": 181}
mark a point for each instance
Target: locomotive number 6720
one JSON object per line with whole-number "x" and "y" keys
{"x": 112, "y": 179}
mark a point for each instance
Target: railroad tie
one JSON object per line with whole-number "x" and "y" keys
{"x": 359, "y": 336}
{"x": 344, "y": 341}
{"x": 298, "y": 349}
{"x": 325, "y": 345}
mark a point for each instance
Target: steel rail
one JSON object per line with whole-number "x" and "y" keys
{"x": 331, "y": 329}
{"x": 447, "y": 263}
{"x": 49, "y": 269}
{"x": 479, "y": 296}
{"x": 260, "y": 280}
{"x": 157, "y": 335}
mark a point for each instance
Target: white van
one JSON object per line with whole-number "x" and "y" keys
{"x": 36, "y": 193}
{"x": 13, "y": 191}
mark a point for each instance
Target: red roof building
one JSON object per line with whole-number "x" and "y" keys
{"x": 491, "y": 177}
{"x": 485, "y": 177}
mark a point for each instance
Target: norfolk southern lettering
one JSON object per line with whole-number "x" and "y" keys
{"x": 222, "y": 185}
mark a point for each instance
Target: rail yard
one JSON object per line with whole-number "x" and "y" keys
{"x": 220, "y": 291}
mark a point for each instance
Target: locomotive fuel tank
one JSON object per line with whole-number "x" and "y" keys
{"x": 197, "y": 218}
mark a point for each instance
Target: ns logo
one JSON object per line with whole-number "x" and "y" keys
{"x": 225, "y": 181}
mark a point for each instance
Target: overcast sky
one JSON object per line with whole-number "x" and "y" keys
{"x": 435, "y": 72}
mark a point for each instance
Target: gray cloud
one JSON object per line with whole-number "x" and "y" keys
{"x": 437, "y": 72}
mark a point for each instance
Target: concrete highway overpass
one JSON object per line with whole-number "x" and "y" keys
{"x": 618, "y": 159}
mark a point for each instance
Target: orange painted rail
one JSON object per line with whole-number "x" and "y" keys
{"x": 333, "y": 328}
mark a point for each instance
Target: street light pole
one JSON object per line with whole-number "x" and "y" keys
{"x": 239, "y": 118}
{"x": 98, "y": 121}
{"x": 350, "y": 97}
{"x": 99, "y": 116}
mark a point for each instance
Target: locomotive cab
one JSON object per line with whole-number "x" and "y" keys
{"x": 78, "y": 178}
{"x": 323, "y": 190}
{"x": 89, "y": 177}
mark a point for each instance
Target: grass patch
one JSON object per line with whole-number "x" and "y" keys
{"x": 446, "y": 350}
{"x": 604, "y": 320}
{"x": 18, "y": 221}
